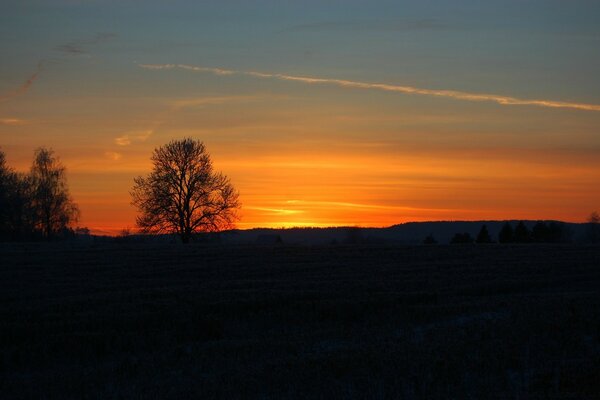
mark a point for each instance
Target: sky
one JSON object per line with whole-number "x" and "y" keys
{"x": 322, "y": 113}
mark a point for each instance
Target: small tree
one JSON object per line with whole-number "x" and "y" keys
{"x": 183, "y": 194}
{"x": 540, "y": 233}
{"x": 522, "y": 234}
{"x": 483, "y": 236}
{"x": 507, "y": 234}
{"x": 50, "y": 200}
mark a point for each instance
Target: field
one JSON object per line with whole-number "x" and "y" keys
{"x": 135, "y": 320}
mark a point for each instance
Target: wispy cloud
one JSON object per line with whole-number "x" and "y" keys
{"x": 275, "y": 211}
{"x": 72, "y": 48}
{"x": 12, "y": 121}
{"x": 163, "y": 117}
{"x": 113, "y": 155}
{"x": 442, "y": 93}
{"x": 217, "y": 71}
{"x": 24, "y": 86}
{"x": 205, "y": 101}
{"x": 337, "y": 204}
{"x": 132, "y": 137}
{"x": 78, "y": 47}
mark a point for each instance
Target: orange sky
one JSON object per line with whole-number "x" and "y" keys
{"x": 297, "y": 162}
{"x": 368, "y": 121}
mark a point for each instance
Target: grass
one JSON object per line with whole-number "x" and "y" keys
{"x": 127, "y": 320}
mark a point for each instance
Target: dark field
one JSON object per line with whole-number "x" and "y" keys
{"x": 174, "y": 321}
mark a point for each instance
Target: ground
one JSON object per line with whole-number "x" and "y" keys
{"x": 139, "y": 320}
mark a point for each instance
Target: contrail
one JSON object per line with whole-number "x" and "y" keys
{"x": 25, "y": 86}
{"x": 453, "y": 94}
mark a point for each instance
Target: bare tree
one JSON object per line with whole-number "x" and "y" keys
{"x": 183, "y": 194}
{"x": 53, "y": 207}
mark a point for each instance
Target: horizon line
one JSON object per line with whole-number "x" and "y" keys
{"x": 105, "y": 231}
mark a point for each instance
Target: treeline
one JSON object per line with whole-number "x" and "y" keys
{"x": 36, "y": 205}
{"x": 541, "y": 232}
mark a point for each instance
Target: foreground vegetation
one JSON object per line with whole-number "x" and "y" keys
{"x": 135, "y": 320}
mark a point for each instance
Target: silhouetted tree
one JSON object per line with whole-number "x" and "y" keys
{"x": 522, "y": 234}
{"x": 558, "y": 232}
{"x": 50, "y": 200}
{"x": 593, "y": 227}
{"x": 461, "y": 238}
{"x": 16, "y": 216}
{"x": 22, "y": 216}
{"x": 429, "y": 239}
{"x": 183, "y": 194}
{"x": 483, "y": 236}
{"x": 507, "y": 234}
{"x": 540, "y": 233}
{"x": 6, "y": 183}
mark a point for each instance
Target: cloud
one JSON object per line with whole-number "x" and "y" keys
{"x": 12, "y": 121}
{"x": 79, "y": 46}
{"x": 113, "y": 155}
{"x": 25, "y": 85}
{"x": 72, "y": 48}
{"x": 337, "y": 204}
{"x": 204, "y": 101}
{"x": 275, "y": 211}
{"x": 217, "y": 71}
{"x": 129, "y": 138}
{"x": 442, "y": 93}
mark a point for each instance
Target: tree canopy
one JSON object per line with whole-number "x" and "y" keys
{"x": 183, "y": 194}
{"x": 37, "y": 204}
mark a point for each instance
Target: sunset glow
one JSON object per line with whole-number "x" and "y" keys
{"x": 319, "y": 119}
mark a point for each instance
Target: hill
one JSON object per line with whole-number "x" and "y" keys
{"x": 407, "y": 233}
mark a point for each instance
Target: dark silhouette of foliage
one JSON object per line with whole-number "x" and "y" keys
{"x": 6, "y": 183}
{"x": 522, "y": 234}
{"x": 37, "y": 204}
{"x": 558, "y": 233}
{"x": 183, "y": 194}
{"x": 462, "y": 238}
{"x": 507, "y": 234}
{"x": 22, "y": 216}
{"x": 483, "y": 236}
{"x": 540, "y": 233}
{"x": 554, "y": 232}
{"x": 53, "y": 207}
{"x": 429, "y": 239}
{"x": 593, "y": 227}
